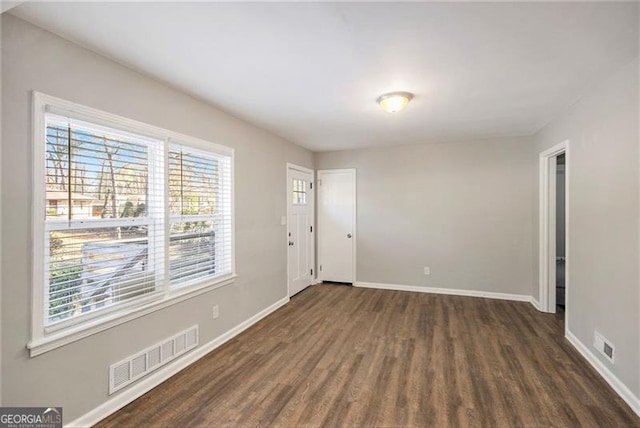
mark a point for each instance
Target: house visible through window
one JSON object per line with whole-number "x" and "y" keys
{"x": 127, "y": 218}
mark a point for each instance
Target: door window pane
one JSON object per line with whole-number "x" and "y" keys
{"x": 299, "y": 192}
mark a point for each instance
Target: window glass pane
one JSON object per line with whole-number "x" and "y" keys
{"x": 91, "y": 173}
{"x": 193, "y": 183}
{"x": 99, "y": 175}
{"x": 299, "y": 192}
{"x": 90, "y": 269}
{"x": 200, "y": 204}
{"x": 192, "y": 251}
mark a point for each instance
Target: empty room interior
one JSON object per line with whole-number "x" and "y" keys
{"x": 320, "y": 214}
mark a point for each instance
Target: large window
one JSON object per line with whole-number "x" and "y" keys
{"x": 127, "y": 215}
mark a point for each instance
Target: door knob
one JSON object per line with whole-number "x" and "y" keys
{"x": 291, "y": 243}
{"x": 349, "y": 235}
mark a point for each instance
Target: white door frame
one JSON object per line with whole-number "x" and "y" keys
{"x": 312, "y": 207}
{"x": 547, "y": 221}
{"x": 320, "y": 173}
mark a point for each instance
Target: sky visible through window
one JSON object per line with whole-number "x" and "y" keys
{"x": 105, "y": 175}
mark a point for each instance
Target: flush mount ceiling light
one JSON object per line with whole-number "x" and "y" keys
{"x": 394, "y": 101}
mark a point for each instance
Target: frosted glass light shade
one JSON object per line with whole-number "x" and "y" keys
{"x": 394, "y": 101}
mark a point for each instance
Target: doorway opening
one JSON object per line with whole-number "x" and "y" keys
{"x": 560, "y": 232}
{"x": 554, "y": 231}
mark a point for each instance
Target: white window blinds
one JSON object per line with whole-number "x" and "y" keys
{"x": 109, "y": 200}
{"x": 200, "y": 215}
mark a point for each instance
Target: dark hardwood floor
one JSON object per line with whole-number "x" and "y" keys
{"x": 344, "y": 356}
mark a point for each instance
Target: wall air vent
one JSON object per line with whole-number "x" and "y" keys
{"x": 144, "y": 362}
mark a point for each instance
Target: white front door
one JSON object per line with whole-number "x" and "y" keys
{"x": 299, "y": 228}
{"x": 337, "y": 225}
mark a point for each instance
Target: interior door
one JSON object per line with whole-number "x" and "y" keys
{"x": 299, "y": 228}
{"x": 337, "y": 225}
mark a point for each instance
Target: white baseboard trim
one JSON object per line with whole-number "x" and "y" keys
{"x": 536, "y": 304}
{"x": 149, "y": 382}
{"x": 615, "y": 383}
{"x": 448, "y": 291}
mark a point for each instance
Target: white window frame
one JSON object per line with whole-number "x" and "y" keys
{"x": 45, "y": 339}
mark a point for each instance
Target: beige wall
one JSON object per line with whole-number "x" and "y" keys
{"x": 603, "y": 292}
{"x": 75, "y": 376}
{"x": 463, "y": 209}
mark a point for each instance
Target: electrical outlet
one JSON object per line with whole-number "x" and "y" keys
{"x": 604, "y": 346}
{"x": 427, "y": 270}
{"x": 216, "y": 311}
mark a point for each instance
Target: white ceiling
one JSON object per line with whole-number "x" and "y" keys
{"x": 310, "y": 72}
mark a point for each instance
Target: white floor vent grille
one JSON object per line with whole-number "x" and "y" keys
{"x": 136, "y": 366}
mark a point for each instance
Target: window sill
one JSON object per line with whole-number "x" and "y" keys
{"x": 38, "y": 346}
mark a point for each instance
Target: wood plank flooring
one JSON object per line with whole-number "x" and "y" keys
{"x": 344, "y": 356}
